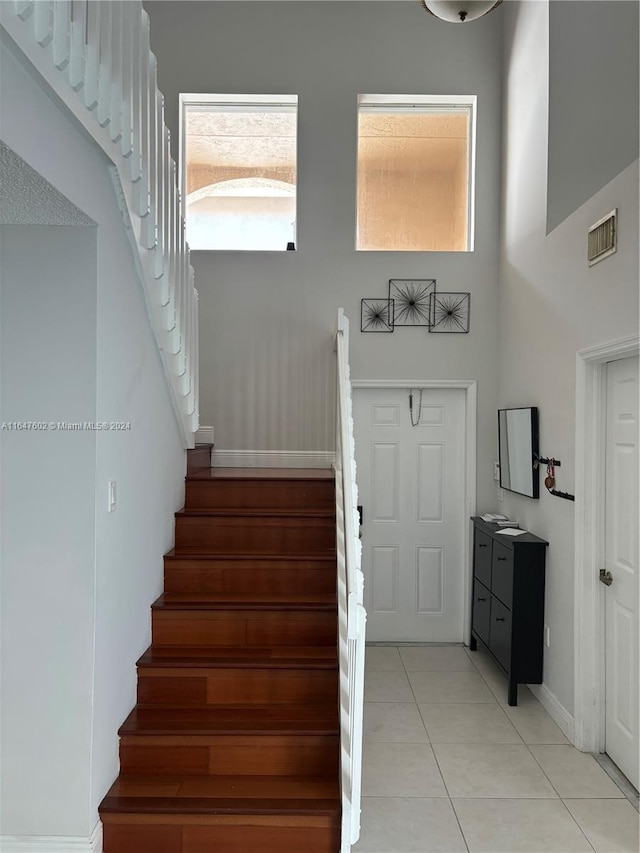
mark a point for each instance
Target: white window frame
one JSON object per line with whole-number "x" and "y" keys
{"x": 230, "y": 102}
{"x": 436, "y": 104}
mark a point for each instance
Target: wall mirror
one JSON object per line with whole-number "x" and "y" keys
{"x": 518, "y": 449}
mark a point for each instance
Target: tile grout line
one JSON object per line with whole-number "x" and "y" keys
{"x": 435, "y": 757}
{"x": 528, "y": 746}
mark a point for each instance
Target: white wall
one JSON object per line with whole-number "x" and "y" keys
{"x": 147, "y": 462}
{"x": 552, "y": 304}
{"x": 48, "y": 358}
{"x": 266, "y": 321}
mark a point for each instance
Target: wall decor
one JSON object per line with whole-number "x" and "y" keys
{"x": 449, "y": 312}
{"x": 376, "y": 315}
{"x": 411, "y": 300}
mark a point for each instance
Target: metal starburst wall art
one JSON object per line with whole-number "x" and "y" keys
{"x": 376, "y": 315}
{"x": 449, "y": 312}
{"x": 411, "y": 300}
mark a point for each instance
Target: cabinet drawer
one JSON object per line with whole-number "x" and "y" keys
{"x": 500, "y": 632}
{"x": 482, "y": 558}
{"x": 481, "y": 611}
{"x": 502, "y": 573}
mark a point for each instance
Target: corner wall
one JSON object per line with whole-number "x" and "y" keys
{"x": 552, "y": 304}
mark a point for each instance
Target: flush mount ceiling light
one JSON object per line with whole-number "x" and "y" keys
{"x": 459, "y": 11}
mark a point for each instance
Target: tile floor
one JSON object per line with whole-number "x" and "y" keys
{"x": 449, "y": 767}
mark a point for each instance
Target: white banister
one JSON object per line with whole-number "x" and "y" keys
{"x": 96, "y": 57}
{"x": 352, "y": 616}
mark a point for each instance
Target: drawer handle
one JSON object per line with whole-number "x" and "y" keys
{"x": 499, "y": 618}
{"x": 502, "y": 559}
{"x": 482, "y": 599}
{"x": 482, "y": 545}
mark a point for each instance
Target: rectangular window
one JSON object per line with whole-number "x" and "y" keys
{"x": 238, "y": 166}
{"x": 415, "y": 173}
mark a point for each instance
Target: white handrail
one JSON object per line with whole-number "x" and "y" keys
{"x": 95, "y": 55}
{"x": 352, "y": 616}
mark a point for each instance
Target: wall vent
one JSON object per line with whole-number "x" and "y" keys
{"x": 603, "y": 238}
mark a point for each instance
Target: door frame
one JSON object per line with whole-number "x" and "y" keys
{"x": 589, "y": 659}
{"x": 470, "y": 387}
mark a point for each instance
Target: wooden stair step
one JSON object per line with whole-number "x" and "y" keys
{"x": 274, "y": 657}
{"x": 204, "y": 677}
{"x": 271, "y": 474}
{"x": 203, "y": 625}
{"x": 256, "y": 719}
{"x": 238, "y": 559}
{"x": 220, "y": 753}
{"x": 245, "y": 601}
{"x": 255, "y": 532}
{"x": 260, "y": 488}
{"x": 250, "y": 513}
{"x": 234, "y": 814}
{"x": 231, "y": 573}
{"x": 199, "y": 458}
{"x": 231, "y": 794}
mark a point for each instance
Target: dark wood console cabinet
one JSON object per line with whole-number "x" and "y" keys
{"x": 507, "y": 607}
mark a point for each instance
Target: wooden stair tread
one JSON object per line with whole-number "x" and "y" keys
{"x": 255, "y": 512}
{"x": 276, "y": 474}
{"x": 286, "y": 657}
{"x": 329, "y": 556}
{"x": 244, "y": 601}
{"x": 293, "y": 795}
{"x": 229, "y": 720}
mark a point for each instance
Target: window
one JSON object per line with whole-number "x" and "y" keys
{"x": 238, "y": 165}
{"x": 415, "y": 173}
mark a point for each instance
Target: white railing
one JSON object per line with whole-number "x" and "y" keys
{"x": 352, "y": 616}
{"x": 96, "y": 57}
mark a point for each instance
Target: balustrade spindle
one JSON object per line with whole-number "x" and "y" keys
{"x": 96, "y": 55}
{"x": 61, "y": 33}
{"x": 76, "y": 68}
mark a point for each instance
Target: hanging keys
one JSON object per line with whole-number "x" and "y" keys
{"x": 550, "y": 479}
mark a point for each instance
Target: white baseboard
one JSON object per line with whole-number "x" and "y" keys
{"x": 556, "y": 710}
{"x": 53, "y": 843}
{"x": 204, "y": 435}
{"x": 272, "y": 459}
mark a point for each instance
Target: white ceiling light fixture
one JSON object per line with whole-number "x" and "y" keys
{"x": 459, "y": 11}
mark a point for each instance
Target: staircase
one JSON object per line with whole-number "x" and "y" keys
{"x": 234, "y": 743}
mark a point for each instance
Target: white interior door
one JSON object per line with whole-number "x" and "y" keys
{"x": 621, "y": 559}
{"x": 411, "y": 485}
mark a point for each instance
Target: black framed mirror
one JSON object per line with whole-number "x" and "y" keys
{"x": 518, "y": 450}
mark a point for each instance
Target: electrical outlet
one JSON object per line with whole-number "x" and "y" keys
{"x": 111, "y": 496}
{"x": 500, "y": 494}
{"x": 547, "y": 639}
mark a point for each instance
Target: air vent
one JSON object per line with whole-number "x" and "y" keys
{"x": 603, "y": 238}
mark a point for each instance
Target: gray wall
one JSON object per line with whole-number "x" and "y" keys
{"x": 266, "y": 320}
{"x": 552, "y": 305}
{"x": 593, "y": 99}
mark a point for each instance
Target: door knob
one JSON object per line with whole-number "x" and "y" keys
{"x": 606, "y": 577}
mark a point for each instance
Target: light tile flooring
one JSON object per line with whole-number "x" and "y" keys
{"x": 449, "y": 767}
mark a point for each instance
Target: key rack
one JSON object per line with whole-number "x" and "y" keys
{"x": 555, "y": 463}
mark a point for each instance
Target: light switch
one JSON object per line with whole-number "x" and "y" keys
{"x": 111, "y": 501}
